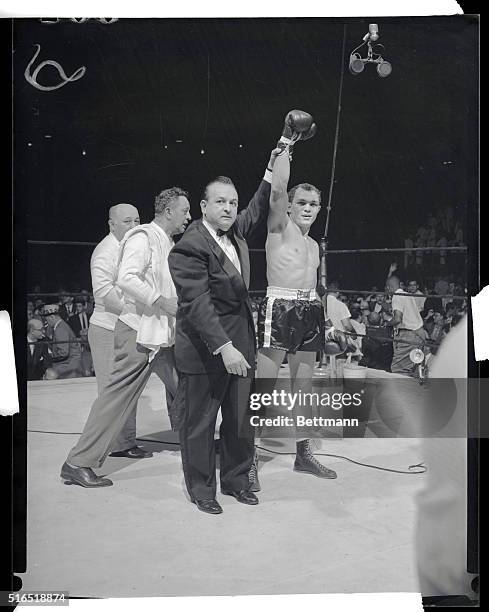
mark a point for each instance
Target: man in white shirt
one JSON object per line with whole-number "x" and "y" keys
{"x": 409, "y": 325}
{"x": 144, "y": 336}
{"x": 337, "y": 311}
{"x": 108, "y": 306}
{"x": 414, "y": 289}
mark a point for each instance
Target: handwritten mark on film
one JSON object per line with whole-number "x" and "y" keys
{"x": 32, "y": 77}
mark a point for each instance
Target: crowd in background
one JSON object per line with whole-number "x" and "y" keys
{"x": 368, "y": 314}
{"x": 439, "y": 230}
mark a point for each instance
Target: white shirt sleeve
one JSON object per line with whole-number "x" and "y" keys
{"x": 396, "y": 303}
{"x": 103, "y": 270}
{"x": 136, "y": 259}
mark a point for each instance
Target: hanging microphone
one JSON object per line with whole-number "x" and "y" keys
{"x": 373, "y": 30}
{"x": 373, "y": 33}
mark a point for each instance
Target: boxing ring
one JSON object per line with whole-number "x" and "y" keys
{"x": 353, "y": 534}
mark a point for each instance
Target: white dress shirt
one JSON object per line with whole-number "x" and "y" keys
{"x": 226, "y": 245}
{"x": 108, "y": 297}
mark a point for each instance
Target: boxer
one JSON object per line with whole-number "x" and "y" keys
{"x": 291, "y": 316}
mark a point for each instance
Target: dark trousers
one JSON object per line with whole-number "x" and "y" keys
{"x": 199, "y": 397}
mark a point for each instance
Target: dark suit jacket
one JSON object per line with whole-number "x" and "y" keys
{"x": 63, "y": 312}
{"x": 213, "y": 302}
{"x": 75, "y": 324}
{"x": 38, "y": 362}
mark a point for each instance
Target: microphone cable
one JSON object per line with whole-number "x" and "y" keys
{"x": 422, "y": 468}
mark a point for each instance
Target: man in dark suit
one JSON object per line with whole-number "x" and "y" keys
{"x": 65, "y": 349}
{"x": 215, "y": 341}
{"x": 79, "y": 324}
{"x": 80, "y": 320}
{"x": 38, "y": 358}
{"x": 66, "y": 305}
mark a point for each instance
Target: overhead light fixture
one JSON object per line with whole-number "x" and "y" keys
{"x": 357, "y": 62}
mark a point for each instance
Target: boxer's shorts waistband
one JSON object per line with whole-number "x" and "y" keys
{"x": 292, "y": 294}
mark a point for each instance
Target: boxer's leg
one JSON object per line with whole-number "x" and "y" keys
{"x": 301, "y": 373}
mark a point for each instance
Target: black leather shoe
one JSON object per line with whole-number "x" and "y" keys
{"x": 244, "y": 497}
{"x": 211, "y": 506}
{"x": 85, "y": 477}
{"x": 136, "y": 452}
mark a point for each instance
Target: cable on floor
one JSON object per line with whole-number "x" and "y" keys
{"x": 422, "y": 468}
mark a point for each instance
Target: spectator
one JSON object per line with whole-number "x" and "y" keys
{"x": 80, "y": 319}
{"x": 377, "y": 345}
{"x": 89, "y": 301}
{"x": 435, "y": 328}
{"x": 441, "y": 286}
{"x": 30, "y": 310}
{"x": 65, "y": 349}
{"x": 414, "y": 289}
{"x": 337, "y": 311}
{"x": 409, "y": 327}
{"x": 38, "y": 307}
{"x": 359, "y": 327}
{"x": 442, "y": 242}
{"x": 79, "y": 324}
{"x": 66, "y": 305}
{"x": 408, "y": 255}
{"x": 431, "y": 303}
{"x": 379, "y": 304}
{"x": 38, "y": 359}
{"x": 421, "y": 241}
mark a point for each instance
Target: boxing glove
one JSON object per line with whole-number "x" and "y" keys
{"x": 335, "y": 337}
{"x": 298, "y": 125}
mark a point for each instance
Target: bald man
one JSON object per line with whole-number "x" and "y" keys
{"x": 144, "y": 338}
{"x": 108, "y": 306}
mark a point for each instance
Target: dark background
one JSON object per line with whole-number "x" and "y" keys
{"x": 216, "y": 84}
{"x": 51, "y": 200}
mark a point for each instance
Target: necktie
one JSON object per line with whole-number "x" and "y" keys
{"x": 227, "y": 233}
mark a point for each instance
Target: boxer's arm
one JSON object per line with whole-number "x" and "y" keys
{"x": 279, "y": 201}
{"x": 190, "y": 273}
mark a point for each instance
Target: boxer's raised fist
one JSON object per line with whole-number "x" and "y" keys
{"x": 298, "y": 125}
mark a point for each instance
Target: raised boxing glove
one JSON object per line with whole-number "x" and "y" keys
{"x": 298, "y": 125}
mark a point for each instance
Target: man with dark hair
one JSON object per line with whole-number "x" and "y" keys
{"x": 413, "y": 288}
{"x": 291, "y": 317}
{"x": 215, "y": 342}
{"x": 408, "y": 327}
{"x": 65, "y": 348}
{"x": 79, "y": 324}
{"x": 143, "y": 342}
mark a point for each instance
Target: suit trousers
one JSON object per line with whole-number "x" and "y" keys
{"x": 401, "y": 362}
{"x": 118, "y": 401}
{"x": 199, "y": 397}
{"x": 102, "y": 346}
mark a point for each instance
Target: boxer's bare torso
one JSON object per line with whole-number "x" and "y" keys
{"x": 292, "y": 258}
{"x": 292, "y": 255}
